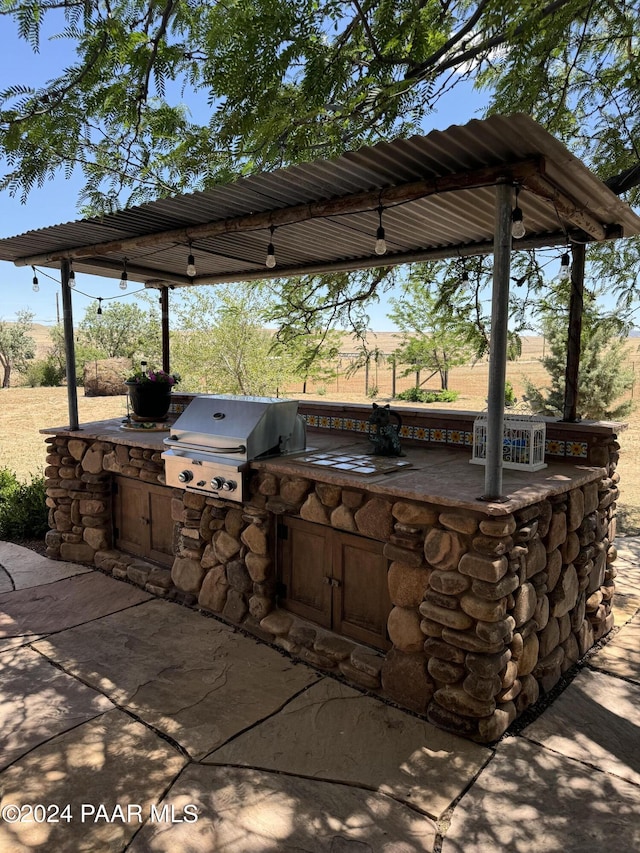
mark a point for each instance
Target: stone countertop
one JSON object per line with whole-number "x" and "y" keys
{"x": 113, "y": 431}
{"x": 440, "y": 476}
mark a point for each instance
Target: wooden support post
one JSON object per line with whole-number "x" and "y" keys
{"x": 576, "y": 304}
{"x": 164, "y": 309}
{"x": 69, "y": 347}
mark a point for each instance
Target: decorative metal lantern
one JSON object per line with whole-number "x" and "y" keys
{"x": 523, "y": 442}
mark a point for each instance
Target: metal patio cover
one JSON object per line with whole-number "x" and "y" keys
{"x": 437, "y": 194}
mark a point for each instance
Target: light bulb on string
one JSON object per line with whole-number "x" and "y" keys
{"x": 99, "y": 311}
{"x": 565, "y": 267}
{"x": 34, "y": 281}
{"x": 191, "y": 263}
{"x": 124, "y": 278}
{"x": 380, "y": 247}
{"x": 270, "y": 261}
{"x": 72, "y": 275}
{"x": 517, "y": 225}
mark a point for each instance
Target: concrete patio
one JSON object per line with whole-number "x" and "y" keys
{"x": 141, "y": 725}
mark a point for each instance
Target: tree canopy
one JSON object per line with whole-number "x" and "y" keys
{"x": 162, "y": 98}
{"x": 16, "y": 345}
{"x": 435, "y": 337}
{"x": 603, "y": 378}
{"x": 159, "y": 98}
{"x": 120, "y": 330}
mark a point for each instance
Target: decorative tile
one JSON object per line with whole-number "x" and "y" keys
{"x": 577, "y": 449}
{"x": 324, "y": 422}
{"x": 421, "y": 433}
{"x": 439, "y": 435}
{"x": 554, "y": 447}
{"x": 312, "y": 420}
{"x": 406, "y": 431}
{"x": 350, "y": 424}
{"x": 337, "y": 423}
{"x": 455, "y": 436}
{"x": 468, "y": 439}
{"x": 362, "y": 426}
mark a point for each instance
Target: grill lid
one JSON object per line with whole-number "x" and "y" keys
{"x": 245, "y": 427}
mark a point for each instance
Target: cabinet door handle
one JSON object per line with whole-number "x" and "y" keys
{"x": 331, "y": 581}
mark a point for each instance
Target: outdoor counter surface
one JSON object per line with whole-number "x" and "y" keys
{"x": 438, "y": 476}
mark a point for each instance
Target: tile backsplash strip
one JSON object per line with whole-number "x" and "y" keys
{"x": 571, "y": 442}
{"x": 584, "y": 441}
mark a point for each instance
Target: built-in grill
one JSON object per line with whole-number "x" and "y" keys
{"x": 215, "y": 438}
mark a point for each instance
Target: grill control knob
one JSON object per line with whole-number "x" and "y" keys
{"x": 185, "y": 476}
{"x": 218, "y": 483}
{"x": 229, "y": 486}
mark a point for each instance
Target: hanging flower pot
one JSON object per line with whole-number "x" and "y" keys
{"x": 150, "y": 393}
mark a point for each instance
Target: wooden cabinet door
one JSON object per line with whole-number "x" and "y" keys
{"x": 336, "y": 580}
{"x": 305, "y": 560}
{"x": 142, "y": 520}
{"x": 361, "y": 603}
{"x": 161, "y": 526}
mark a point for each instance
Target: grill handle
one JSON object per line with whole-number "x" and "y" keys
{"x": 241, "y": 448}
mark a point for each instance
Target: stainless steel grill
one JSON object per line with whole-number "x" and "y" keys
{"x": 215, "y": 438}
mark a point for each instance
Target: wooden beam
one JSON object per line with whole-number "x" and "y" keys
{"x": 517, "y": 172}
{"x": 567, "y": 209}
{"x": 353, "y": 264}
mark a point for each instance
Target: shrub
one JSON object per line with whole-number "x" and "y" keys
{"x": 510, "y": 398}
{"x": 23, "y": 509}
{"x": 44, "y": 371}
{"x": 418, "y": 395}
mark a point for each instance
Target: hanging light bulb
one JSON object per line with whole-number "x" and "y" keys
{"x": 124, "y": 278}
{"x": 464, "y": 277}
{"x": 565, "y": 267}
{"x": 270, "y": 261}
{"x": 36, "y": 286}
{"x": 72, "y": 275}
{"x": 517, "y": 225}
{"x": 191, "y": 263}
{"x": 380, "y": 247}
{"x": 99, "y": 311}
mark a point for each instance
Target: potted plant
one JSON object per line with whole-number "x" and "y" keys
{"x": 150, "y": 392}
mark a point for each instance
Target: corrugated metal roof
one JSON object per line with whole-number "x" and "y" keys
{"x": 325, "y": 212}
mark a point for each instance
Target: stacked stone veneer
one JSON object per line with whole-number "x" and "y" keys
{"x": 487, "y": 612}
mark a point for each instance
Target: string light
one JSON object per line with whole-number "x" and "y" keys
{"x": 99, "y": 312}
{"x": 124, "y": 278}
{"x": 565, "y": 267}
{"x": 270, "y": 261}
{"x": 72, "y": 275}
{"x": 517, "y": 225}
{"x": 380, "y": 247}
{"x": 191, "y": 263}
{"x": 36, "y": 286}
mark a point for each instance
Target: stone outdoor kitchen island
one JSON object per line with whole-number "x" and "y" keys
{"x": 402, "y": 582}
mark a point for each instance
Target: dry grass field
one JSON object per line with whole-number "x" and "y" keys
{"x": 24, "y": 411}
